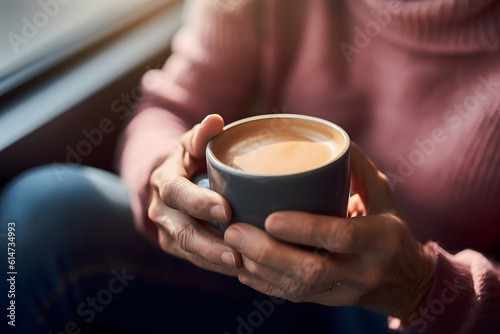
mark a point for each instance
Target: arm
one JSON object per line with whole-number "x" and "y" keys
{"x": 464, "y": 297}
{"x": 211, "y": 70}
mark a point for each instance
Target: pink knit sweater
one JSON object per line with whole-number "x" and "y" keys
{"x": 415, "y": 83}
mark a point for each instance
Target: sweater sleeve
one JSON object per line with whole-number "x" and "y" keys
{"x": 212, "y": 69}
{"x": 464, "y": 297}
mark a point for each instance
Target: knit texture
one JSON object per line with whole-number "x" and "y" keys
{"x": 415, "y": 83}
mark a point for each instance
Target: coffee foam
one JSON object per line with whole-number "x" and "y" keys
{"x": 278, "y": 146}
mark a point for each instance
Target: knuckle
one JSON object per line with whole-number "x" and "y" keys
{"x": 285, "y": 293}
{"x": 271, "y": 290}
{"x": 153, "y": 212}
{"x": 183, "y": 234}
{"x": 262, "y": 253}
{"x": 165, "y": 242}
{"x": 294, "y": 288}
{"x": 175, "y": 194}
{"x": 291, "y": 290}
{"x": 313, "y": 271}
{"x": 158, "y": 173}
{"x": 188, "y": 134}
{"x": 170, "y": 190}
{"x": 191, "y": 204}
{"x": 154, "y": 176}
{"x": 295, "y": 293}
{"x": 346, "y": 236}
{"x": 251, "y": 266}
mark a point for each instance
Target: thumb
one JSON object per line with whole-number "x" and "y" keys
{"x": 369, "y": 183}
{"x": 196, "y": 139}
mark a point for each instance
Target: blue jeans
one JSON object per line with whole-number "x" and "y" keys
{"x": 81, "y": 267}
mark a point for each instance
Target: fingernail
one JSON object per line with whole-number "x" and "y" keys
{"x": 234, "y": 237}
{"x": 205, "y": 119}
{"x": 228, "y": 259}
{"x": 218, "y": 213}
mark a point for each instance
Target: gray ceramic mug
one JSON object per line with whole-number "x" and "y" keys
{"x": 295, "y": 171}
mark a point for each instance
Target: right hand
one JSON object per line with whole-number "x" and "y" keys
{"x": 178, "y": 207}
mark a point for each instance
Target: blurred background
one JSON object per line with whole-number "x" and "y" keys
{"x": 69, "y": 76}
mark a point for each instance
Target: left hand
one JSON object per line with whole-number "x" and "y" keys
{"x": 369, "y": 259}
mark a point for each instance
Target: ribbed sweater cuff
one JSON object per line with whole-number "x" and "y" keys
{"x": 449, "y": 301}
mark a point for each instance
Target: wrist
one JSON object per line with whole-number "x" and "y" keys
{"x": 423, "y": 284}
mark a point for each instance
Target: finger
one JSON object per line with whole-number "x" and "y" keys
{"x": 181, "y": 194}
{"x": 178, "y": 192}
{"x": 261, "y": 285}
{"x": 195, "y": 140}
{"x": 371, "y": 184}
{"x": 293, "y": 281}
{"x": 191, "y": 237}
{"x": 331, "y": 294}
{"x": 355, "y": 206}
{"x": 334, "y": 234}
{"x": 286, "y": 288}
{"x": 170, "y": 246}
{"x": 269, "y": 253}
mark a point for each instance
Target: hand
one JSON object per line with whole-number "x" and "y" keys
{"x": 369, "y": 259}
{"x": 177, "y": 203}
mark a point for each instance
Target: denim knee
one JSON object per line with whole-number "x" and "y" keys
{"x": 65, "y": 217}
{"x": 59, "y": 202}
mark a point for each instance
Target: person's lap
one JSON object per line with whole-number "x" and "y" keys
{"x": 81, "y": 265}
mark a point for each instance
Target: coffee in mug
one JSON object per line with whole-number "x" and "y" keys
{"x": 290, "y": 146}
{"x": 279, "y": 162}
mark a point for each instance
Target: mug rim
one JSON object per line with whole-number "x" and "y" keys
{"x": 214, "y": 160}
